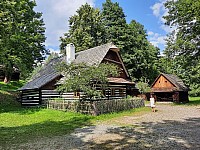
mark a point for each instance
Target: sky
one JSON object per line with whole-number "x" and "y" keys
{"x": 149, "y": 13}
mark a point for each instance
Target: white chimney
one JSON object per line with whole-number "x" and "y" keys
{"x": 70, "y": 52}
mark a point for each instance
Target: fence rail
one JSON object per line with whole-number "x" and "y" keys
{"x": 95, "y": 107}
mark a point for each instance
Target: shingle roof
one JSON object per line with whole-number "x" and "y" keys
{"x": 92, "y": 56}
{"x": 46, "y": 74}
{"x": 176, "y": 81}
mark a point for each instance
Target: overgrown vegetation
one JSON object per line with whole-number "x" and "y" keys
{"x": 22, "y": 36}
{"x": 84, "y": 78}
{"x": 183, "y": 47}
{"x": 12, "y": 85}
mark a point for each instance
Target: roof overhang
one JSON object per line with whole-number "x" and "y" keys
{"x": 120, "y": 81}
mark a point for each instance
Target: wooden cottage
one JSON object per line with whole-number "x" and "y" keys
{"x": 42, "y": 86}
{"x": 168, "y": 87}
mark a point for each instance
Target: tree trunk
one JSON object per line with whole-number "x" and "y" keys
{"x": 7, "y": 77}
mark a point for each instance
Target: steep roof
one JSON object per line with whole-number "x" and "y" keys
{"x": 175, "y": 80}
{"x": 92, "y": 56}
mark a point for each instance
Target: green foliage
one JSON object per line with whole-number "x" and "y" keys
{"x": 80, "y": 77}
{"x": 90, "y": 27}
{"x": 143, "y": 87}
{"x": 183, "y": 43}
{"x": 114, "y": 23}
{"x": 185, "y": 16}
{"x": 86, "y": 29}
{"x": 12, "y": 85}
{"x": 140, "y": 57}
{"x": 22, "y": 36}
{"x": 51, "y": 56}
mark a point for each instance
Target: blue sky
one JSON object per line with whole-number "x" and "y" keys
{"x": 147, "y": 12}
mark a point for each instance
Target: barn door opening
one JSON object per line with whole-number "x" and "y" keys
{"x": 164, "y": 96}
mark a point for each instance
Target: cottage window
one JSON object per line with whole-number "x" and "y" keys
{"x": 76, "y": 94}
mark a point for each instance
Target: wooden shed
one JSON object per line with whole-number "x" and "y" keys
{"x": 168, "y": 87}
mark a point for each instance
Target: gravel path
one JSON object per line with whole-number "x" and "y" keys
{"x": 171, "y": 127}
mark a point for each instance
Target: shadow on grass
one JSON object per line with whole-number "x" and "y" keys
{"x": 18, "y": 135}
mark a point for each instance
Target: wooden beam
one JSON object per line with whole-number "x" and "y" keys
{"x": 113, "y": 61}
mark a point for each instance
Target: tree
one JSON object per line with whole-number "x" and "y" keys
{"x": 184, "y": 15}
{"x": 183, "y": 46}
{"x": 80, "y": 77}
{"x": 21, "y": 36}
{"x": 139, "y": 55}
{"x": 86, "y": 29}
{"x": 115, "y": 23}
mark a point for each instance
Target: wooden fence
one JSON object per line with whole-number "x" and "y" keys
{"x": 96, "y": 107}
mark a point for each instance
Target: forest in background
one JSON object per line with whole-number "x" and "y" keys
{"x": 91, "y": 27}
{"x": 22, "y": 39}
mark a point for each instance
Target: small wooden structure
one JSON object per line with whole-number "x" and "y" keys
{"x": 42, "y": 86}
{"x": 168, "y": 87}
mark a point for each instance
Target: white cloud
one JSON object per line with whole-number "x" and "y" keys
{"x": 159, "y": 11}
{"x": 150, "y": 33}
{"x": 156, "y": 39}
{"x": 156, "y": 9}
{"x": 56, "y": 14}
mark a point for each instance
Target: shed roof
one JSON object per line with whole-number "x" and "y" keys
{"x": 175, "y": 80}
{"x": 92, "y": 56}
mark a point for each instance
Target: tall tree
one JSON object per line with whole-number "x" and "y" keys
{"x": 140, "y": 56}
{"x": 184, "y": 15}
{"x": 21, "y": 35}
{"x": 86, "y": 29}
{"x": 183, "y": 44}
{"x": 115, "y": 23}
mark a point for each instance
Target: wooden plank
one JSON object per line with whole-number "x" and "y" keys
{"x": 163, "y": 82}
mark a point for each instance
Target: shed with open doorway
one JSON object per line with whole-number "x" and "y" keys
{"x": 168, "y": 87}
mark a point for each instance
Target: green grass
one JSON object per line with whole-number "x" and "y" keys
{"x": 12, "y": 85}
{"x": 194, "y": 101}
{"x": 20, "y": 125}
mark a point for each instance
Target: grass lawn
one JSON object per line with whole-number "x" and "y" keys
{"x": 12, "y": 85}
{"x": 20, "y": 125}
{"x": 194, "y": 101}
